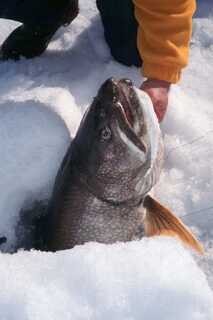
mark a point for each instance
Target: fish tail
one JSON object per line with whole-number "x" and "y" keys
{"x": 161, "y": 221}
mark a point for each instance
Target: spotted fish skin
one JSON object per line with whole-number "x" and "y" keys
{"x": 106, "y": 174}
{"x": 102, "y": 222}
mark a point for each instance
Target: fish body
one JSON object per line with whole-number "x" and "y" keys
{"x": 115, "y": 159}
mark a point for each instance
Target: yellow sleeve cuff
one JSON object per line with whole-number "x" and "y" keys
{"x": 171, "y": 74}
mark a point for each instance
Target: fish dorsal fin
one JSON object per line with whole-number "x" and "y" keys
{"x": 161, "y": 221}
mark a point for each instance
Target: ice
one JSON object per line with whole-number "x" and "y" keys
{"x": 41, "y": 104}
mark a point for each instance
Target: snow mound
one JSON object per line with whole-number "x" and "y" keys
{"x": 33, "y": 141}
{"x": 151, "y": 279}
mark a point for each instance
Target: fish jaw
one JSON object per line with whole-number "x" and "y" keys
{"x": 156, "y": 142}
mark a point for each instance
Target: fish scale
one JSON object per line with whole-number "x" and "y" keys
{"x": 100, "y": 222}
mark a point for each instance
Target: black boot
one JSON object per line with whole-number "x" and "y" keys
{"x": 120, "y": 29}
{"x": 31, "y": 39}
{"x": 27, "y": 41}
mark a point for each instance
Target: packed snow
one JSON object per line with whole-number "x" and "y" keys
{"x": 41, "y": 104}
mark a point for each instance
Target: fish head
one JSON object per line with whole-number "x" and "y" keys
{"x": 113, "y": 144}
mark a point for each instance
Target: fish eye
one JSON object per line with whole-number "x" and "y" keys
{"x": 106, "y": 133}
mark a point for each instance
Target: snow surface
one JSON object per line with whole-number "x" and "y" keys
{"x": 150, "y": 279}
{"x": 41, "y": 104}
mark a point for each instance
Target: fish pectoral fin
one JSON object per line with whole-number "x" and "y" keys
{"x": 161, "y": 221}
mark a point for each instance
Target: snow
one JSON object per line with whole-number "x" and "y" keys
{"x": 141, "y": 280}
{"x": 41, "y": 104}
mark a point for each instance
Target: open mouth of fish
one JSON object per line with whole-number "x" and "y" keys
{"x": 126, "y": 91}
{"x": 130, "y": 111}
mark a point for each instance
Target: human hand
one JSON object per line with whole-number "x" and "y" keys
{"x": 158, "y": 91}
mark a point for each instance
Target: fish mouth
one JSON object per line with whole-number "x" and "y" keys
{"x": 124, "y": 103}
{"x": 130, "y": 113}
{"x": 119, "y": 95}
{"x": 117, "y": 102}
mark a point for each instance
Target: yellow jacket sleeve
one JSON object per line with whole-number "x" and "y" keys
{"x": 164, "y": 33}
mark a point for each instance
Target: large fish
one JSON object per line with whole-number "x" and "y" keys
{"x": 101, "y": 190}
